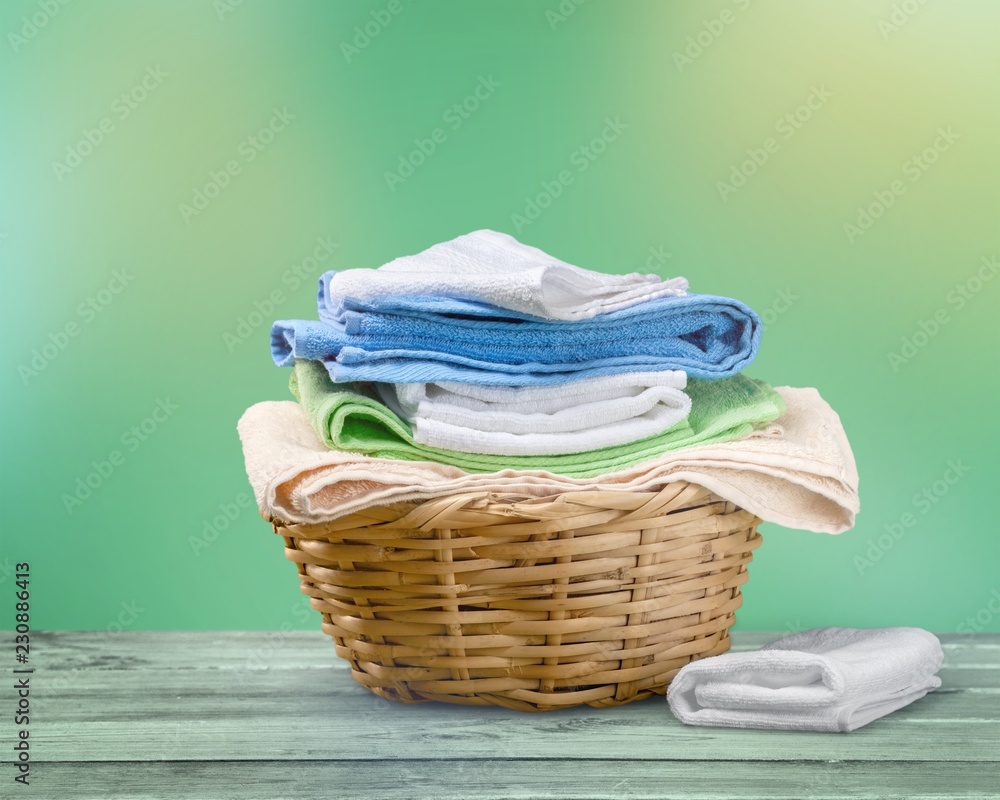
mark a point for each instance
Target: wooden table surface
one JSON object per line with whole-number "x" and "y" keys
{"x": 277, "y": 715}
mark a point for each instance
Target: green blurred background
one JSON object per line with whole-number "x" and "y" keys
{"x": 131, "y": 280}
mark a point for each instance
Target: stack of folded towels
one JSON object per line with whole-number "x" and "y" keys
{"x": 486, "y": 363}
{"x": 487, "y": 354}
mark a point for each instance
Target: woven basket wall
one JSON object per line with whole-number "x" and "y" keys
{"x": 493, "y": 599}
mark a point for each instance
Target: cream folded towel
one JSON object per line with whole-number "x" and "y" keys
{"x": 798, "y": 472}
{"x": 826, "y": 679}
{"x": 494, "y": 268}
{"x": 538, "y": 420}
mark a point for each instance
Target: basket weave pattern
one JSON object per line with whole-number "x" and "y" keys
{"x": 533, "y": 604}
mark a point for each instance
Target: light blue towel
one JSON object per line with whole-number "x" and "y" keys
{"x": 421, "y": 339}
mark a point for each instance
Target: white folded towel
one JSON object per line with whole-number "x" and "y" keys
{"x": 826, "y": 679}
{"x": 495, "y": 268}
{"x": 799, "y": 472}
{"x": 538, "y": 420}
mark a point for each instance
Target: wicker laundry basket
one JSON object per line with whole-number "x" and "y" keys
{"x": 533, "y": 604}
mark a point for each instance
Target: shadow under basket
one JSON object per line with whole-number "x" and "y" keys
{"x": 533, "y": 604}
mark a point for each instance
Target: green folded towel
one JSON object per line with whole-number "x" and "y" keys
{"x": 349, "y": 417}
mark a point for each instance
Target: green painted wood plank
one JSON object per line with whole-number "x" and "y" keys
{"x": 297, "y": 649}
{"x": 506, "y": 780}
{"x": 313, "y": 713}
{"x": 67, "y": 697}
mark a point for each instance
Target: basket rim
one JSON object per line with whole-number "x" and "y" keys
{"x": 515, "y": 504}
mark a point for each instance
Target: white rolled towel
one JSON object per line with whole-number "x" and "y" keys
{"x": 825, "y": 679}
{"x": 540, "y": 420}
{"x": 490, "y": 267}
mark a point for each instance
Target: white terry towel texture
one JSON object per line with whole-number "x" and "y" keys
{"x": 826, "y": 679}
{"x": 798, "y": 472}
{"x": 538, "y": 420}
{"x": 495, "y": 268}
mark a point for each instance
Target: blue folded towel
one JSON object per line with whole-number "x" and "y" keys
{"x": 421, "y": 339}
